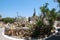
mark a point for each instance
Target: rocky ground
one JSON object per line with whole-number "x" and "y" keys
{"x": 1, "y": 36}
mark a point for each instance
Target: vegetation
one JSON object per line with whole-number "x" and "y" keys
{"x": 0, "y": 17}
{"x": 37, "y": 29}
{"x": 34, "y": 14}
{"x": 8, "y": 19}
{"x": 42, "y": 29}
{"x": 58, "y": 1}
{"x": 58, "y": 17}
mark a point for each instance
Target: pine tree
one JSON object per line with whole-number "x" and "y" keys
{"x": 34, "y": 14}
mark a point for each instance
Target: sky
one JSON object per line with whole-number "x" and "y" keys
{"x": 25, "y": 8}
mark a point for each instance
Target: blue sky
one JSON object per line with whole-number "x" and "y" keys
{"x": 9, "y": 8}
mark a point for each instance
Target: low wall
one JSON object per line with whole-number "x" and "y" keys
{"x": 8, "y": 37}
